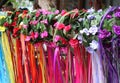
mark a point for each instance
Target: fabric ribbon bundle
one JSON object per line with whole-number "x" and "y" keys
{"x": 35, "y": 64}
{"x": 60, "y": 59}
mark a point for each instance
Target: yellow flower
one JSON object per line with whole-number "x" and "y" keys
{"x": 2, "y": 28}
{"x": 2, "y": 17}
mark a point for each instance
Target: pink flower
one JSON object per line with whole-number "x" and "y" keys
{"x": 45, "y": 21}
{"x": 25, "y": 26}
{"x": 57, "y": 38}
{"x": 63, "y": 12}
{"x": 36, "y": 35}
{"x": 34, "y": 22}
{"x": 44, "y": 34}
{"x": 37, "y": 13}
{"x": 67, "y": 28}
{"x": 59, "y": 26}
{"x": 28, "y": 38}
{"x": 56, "y": 12}
{"x": 44, "y": 12}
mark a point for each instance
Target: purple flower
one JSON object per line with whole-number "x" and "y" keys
{"x": 118, "y": 9}
{"x": 90, "y": 17}
{"x": 108, "y": 16}
{"x": 116, "y": 29}
{"x": 117, "y": 14}
{"x": 44, "y": 34}
{"x": 104, "y": 34}
{"x": 45, "y": 21}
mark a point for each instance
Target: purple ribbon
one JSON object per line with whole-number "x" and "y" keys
{"x": 111, "y": 71}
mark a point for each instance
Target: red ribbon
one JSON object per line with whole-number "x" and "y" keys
{"x": 19, "y": 62}
{"x": 32, "y": 63}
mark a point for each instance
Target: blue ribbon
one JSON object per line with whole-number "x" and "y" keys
{"x": 4, "y": 76}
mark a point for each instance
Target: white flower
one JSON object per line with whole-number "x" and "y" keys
{"x": 81, "y": 19}
{"x": 80, "y": 38}
{"x": 99, "y": 11}
{"x": 90, "y": 17}
{"x": 91, "y": 10}
{"x": 85, "y": 30}
{"x": 93, "y": 30}
{"x": 94, "y": 44}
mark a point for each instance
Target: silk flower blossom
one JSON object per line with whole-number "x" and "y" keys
{"x": 94, "y": 44}
{"x": 93, "y": 30}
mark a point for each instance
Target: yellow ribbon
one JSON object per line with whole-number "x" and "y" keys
{"x": 2, "y": 28}
{"x": 8, "y": 56}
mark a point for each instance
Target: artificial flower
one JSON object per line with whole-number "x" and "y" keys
{"x": 14, "y": 23}
{"x": 34, "y": 22}
{"x": 67, "y": 28}
{"x": 57, "y": 38}
{"x": 28, "y": 38}
{"x": 90, "y": 17}
{"x": 56, "y": 12}
{"x": 37, "y": 13}
{"x": 81, "y": 19}
{"x": 94, "y": 44}
{"x": 75, "y": 13}
{"x": 93, "y": 30}
{"x": 100, "y": 10}
{"x": 80, "y": 38}
{"x": 90, "y": 11}
{"x": 85, "y": 30}
{"x": 59, "y": 26}
{"x": 36, "y": 35}
{"x": 44, "y": 34}
{"x": 117, "y": 14}
{"x": 6, "y": 24}
{"x": 104, "y": 34}
{"x": 25, "y": 11}
{"x": 73, "y": 42}
{"x": 32, "y": 34}
{"x": 45, "y": 21}
{"x": 63, "y": 12}
{"x": 64, "y": 41}
{"x": 108, "y": 16}
{"x": 15, "y": 31}
{"x": 25, "y": 26}
{"x": 116, "y": 29}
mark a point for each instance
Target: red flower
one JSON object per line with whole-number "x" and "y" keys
{"x": 32, "y": 34}
{"x": 74, "y": 42}
{"x": 17, "y": 13}
{"x": 15, "y": 31}
{"x": 6, "y": 24}
{"x": 59, "y": 26}
{"x": 25, "y": 11}
{"x": 16, "y": 18}
{"x": 13, "y": 24}
{"x": 64, "y": 42}
{"x": 63, "y": 12}
{"x": 67, "y": 28}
